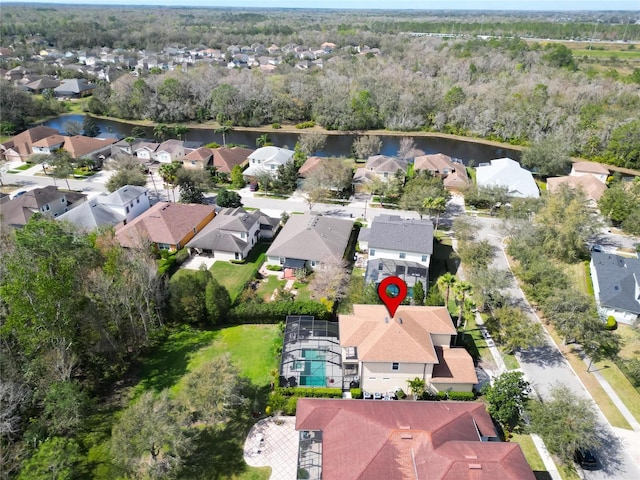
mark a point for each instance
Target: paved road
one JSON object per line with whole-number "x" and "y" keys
{"x": 545, "y": 367}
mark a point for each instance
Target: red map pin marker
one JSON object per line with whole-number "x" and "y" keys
{"x": 392, "y": 302}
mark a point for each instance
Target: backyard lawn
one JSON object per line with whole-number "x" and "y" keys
{"x": 235, "y": 276}
{"x": 219, "y": 453}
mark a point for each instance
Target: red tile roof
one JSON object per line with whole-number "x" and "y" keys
{"x": 369, "y": 439}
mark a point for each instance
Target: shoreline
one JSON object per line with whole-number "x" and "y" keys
{"x": 212, "y": 125}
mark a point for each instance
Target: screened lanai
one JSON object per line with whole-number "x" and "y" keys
{"x": 311, "y": 353}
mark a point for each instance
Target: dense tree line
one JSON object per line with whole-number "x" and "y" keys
{"x": 77, "y": 309}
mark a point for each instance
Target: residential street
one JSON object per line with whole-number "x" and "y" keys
{"x": 545, "y": 367}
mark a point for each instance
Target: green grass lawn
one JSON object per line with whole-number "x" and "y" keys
{"x": 266, "y": 289}
{"x": 618, "y": 54}
{"x": 303, "y": 289}
{"x": 531, "y": 454}
{"x": 26, "y": 166}
{"x": 234, "y": 276}
{"x": 219, "y": 452}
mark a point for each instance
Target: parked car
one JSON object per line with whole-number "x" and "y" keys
{"x": 585, "y": 458}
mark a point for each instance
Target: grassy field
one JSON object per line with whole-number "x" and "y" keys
{"x": 267, "y": 288}
{"x": 219, "y": 453}
{"x": 618, "y": 54}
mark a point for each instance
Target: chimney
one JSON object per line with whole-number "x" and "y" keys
{"x": 386, "y": 319}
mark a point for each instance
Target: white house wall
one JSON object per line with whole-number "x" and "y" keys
{"x": 380, "y": 377}
{"x": 395, "y": 255}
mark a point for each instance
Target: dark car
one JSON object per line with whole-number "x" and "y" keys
{"x": 586, "y": 459}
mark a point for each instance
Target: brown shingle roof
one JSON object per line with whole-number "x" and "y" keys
{"x": 201, "y": 154}
{"x": 590, "y": 167}
{"x": 436, "y": 163}
{"x": 49, "y": 141}
{"x": 407, "y": 440}
{"x": 22, "y": 142}
{"x": 590, "y": 185}
{"x": 409, "y": 341}
{"x": 311, "y": 164}
{"x": 79, "y": 145}
{"x": 455, "y": 365}
{"x": 227, "y": 158}
{"x": 165, "y": 222}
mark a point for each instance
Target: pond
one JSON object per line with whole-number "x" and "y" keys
{"x": 337, "y": 145}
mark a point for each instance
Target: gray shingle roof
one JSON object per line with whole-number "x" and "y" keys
{"x": 390, "y": 232}
{"x": 312, "y": 237}
{"x": 90, "y": 215}
{"x": 124, "y": 195}
{"x": 619, "y": 281}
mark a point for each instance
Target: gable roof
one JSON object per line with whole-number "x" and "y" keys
{"x": 312, "y": 237}
{"x": 49, "y": 141}
{"x": 165, "y": 222}
{"x": 74, "y": 85}
{"x": 590, "y": 185}
{"x": 43, "y": 83}
{"x": 505, "y": 172}
{"x": 19, "y": 210}
{"x": 311, "y": 164}
{"x": 383, "y": 339}
{"x": 590, "y": 167}
{"x": 124, "y": 195}
{"x": 390, "y": 232}
{"x": 436, "y": 162}
{"x": 91, "y": 215}
{"x": 22, "y": 142}
{"x": 170, "y": 146}
{"x": 79, "y": 145}
{"x": 202, "y": 154}
{"x": 272, "y": 154}
{"x": 226, "y": 158}
{"x": 408, "y": 440}
{"x": 217, "y": 236}
{"x": 384, "y": 163}
{"x": 618, "y": 280}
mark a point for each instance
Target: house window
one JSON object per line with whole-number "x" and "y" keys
{"x": 62, "y": 200}
{"x": 380, "y": 266}
{"x": 385, "y": 174}
{"x": 164, "y": 246}
{"x": 237, "y": 256}
{"x": 395, "y": 366}
{"x": 372, "y": 252}
{"x": 281, "y": 260}
{"x": 424, "y": 258}
{"x": 127, "y": 209}
{"x": 243, "y": 235}
{"x": 193, "y": 162}
{"x": 402, "y": 255}
{"x": 137, "y": 200}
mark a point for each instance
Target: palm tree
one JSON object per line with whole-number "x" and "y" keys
{"x": 435, "y": 205}
{"x": 417, "y": 387}
{"x": 447, "y": 281}
{"x": 263, "y": 140}
{"x": 160, "y": 132}
{"x": 462, "y": 289}
{"x": 169, "y": 174}
{"x": 180, "y": 131}
{"x": 223, "y": 130}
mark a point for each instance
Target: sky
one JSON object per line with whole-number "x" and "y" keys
{"x": 549, "y": 5}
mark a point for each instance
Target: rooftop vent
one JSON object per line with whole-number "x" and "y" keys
{"x": 400, "y": 320}
{"x": 475, "y": 466}
{"x": 406, "y": 436}
{"x": 386, "y": 319}
{"x": 404, "y": 427}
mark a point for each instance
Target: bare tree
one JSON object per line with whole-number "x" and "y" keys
{"x": 407, "y": 149}
{"x": 367, "y": 145}
{"x": 312, "y": 142}
{"x": 330, "y": 280}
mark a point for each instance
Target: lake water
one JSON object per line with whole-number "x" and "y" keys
{"x": 337, "y": 145}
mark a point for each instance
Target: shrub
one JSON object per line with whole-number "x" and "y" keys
{"x": 276, "y": 126}
{"x": 303, "y": 474}
{"x": 274, "y": 268}
{"x": 274, "y": 312}
{"x": 611, "y": 323}
{"x": 356, "y": 392}
{"x": 400, "y": 394}
{"x": 459, "y": 396}
{"x": 311, "y": 392}
{"x": 308, "y": 124}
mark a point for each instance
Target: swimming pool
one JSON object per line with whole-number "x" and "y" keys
{"x": 314, "y": 374}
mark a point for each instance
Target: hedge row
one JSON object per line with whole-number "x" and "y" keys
{"x": 311, "y": 392}
{"x": 460, "y": 396}
{"x": 274, "y": 312}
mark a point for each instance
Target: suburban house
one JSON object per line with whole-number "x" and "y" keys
{"x": 384, "y": 352}
{"x": 595, "y": 169}
{"x": 616, "y": 286}
{"x": 20, "y": 147}
{"x": 145, "y": 150}
{"x": 222, "y": 158}
{"x": 44, "y": 83}
{"x": 48, "y": 201}
{"x": 169, "y": 226}
{"x": 453, "y": 172}
{"x": 382, "y": 167}
{"x": 505, "y": 172}
{"x": 398, "y": 247}
{"x": 310, "y": 240}
{"x": 592, "y": 188}
{"x": 267, "y": 159}
{"x": 342, "y": 439}
{"x": 310, "y": 165}
{"x": 74, "y": 88}
{"x": 169, "y": 151}
{"x": 123, "y": 205}
{"x": 233, "y": 233}
{"x": 48, "y": 145}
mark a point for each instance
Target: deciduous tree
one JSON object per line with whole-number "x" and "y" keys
{"x": 507, "y": 398}
{"x": 228, "y": 199}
